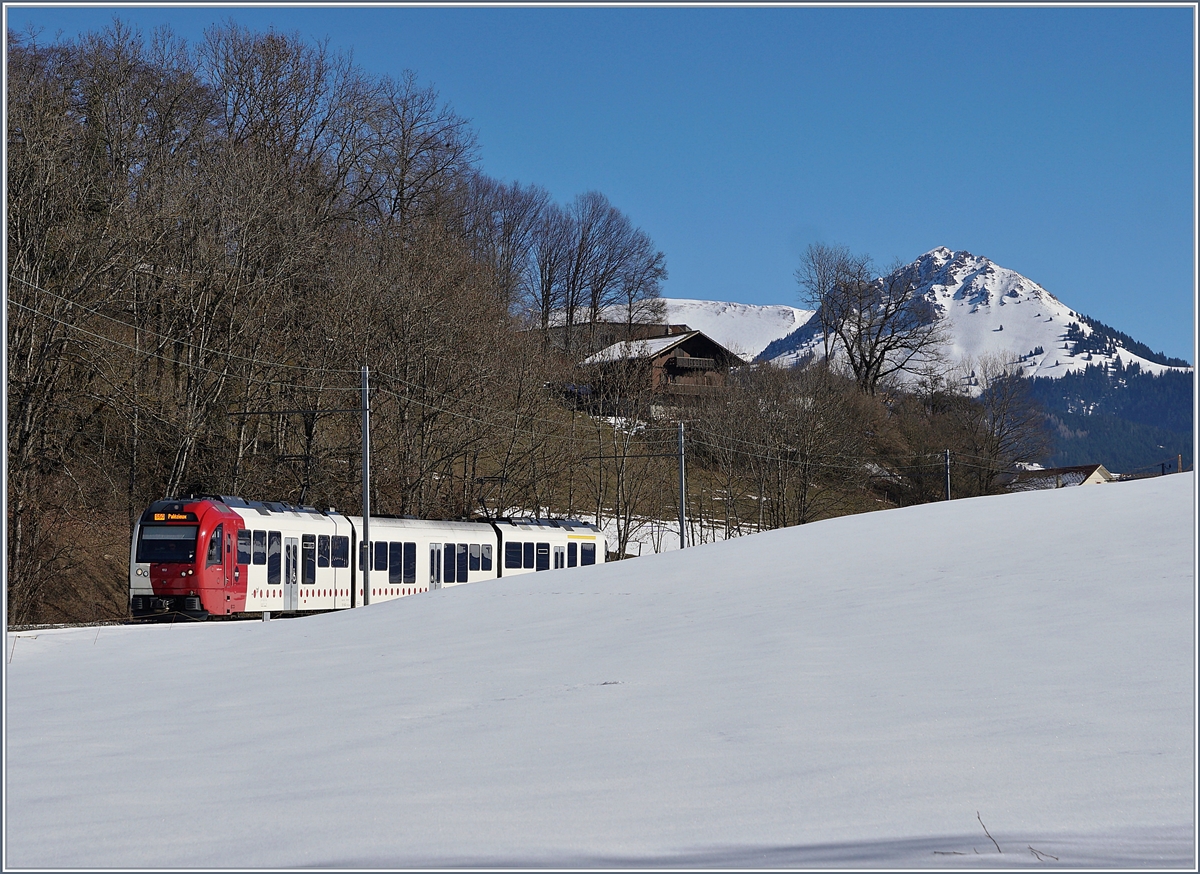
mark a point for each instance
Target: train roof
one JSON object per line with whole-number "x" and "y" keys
{"x": 529, "y": 524}
{"x": 417, "y": 524}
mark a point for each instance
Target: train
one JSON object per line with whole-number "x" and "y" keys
{"x": 225, "y": 557}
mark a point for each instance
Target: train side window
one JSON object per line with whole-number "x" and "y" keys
{"x": 587, "y": 553}
{"x": 214, "y": 548}
{"x": 512, "y": 555}
{"x": 339, "y": 551}
{"x": 395, "y": 563}
{"x": 410, "y": 563}
{"x": 485, "y": 557}
{"x": 308, "y": 558}
{"x": 474, "y": 557}
{"x": 543, "y": 557}
{"x": 243, "y": 547}
{"x": 323, "y": 550}
{"x": 381, "y": 549}
{"x": 260, "y": 547}
{"x": 528, "y": 554}
{"x": 462, "y": 562}
{"x": 274, "y": 559}
{"x": 448, "y": 563}
{"x": 572, "y": 554}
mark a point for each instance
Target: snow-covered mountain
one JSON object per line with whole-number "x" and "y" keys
{"x": 989, "y": 309}
{"x": 746, "y": 329}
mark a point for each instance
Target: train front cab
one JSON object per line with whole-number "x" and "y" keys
{"x": 187, "y": 549}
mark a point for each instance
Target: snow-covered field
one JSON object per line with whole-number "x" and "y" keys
{"x": 866, "y": 691}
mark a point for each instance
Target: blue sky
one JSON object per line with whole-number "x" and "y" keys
{"x": 1058, "y": 142}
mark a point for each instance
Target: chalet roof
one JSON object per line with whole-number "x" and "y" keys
{"x": 652, "y": 348}
{"x": 1057, "y": 477}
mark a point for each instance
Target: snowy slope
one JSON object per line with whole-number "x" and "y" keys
{"x": 989, "y": 309}
{"x": 787, "y": 698}
{"x": 746, "y": 329}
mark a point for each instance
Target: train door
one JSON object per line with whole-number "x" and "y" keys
{"x": 291, "y": 561}
{"x": 560, "y": 557}
{"x": 435, "y": 566}
{"x": 231, "y": 572}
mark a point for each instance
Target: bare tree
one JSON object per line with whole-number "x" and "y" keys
{"x": 503, "y": 223}
{"x": 822, "y": 270}
{"x": 547, "y": 270}
{"x": 876, "y": 325}
{"x": 640, "y": 280}
{"x": 1000, "y": 426}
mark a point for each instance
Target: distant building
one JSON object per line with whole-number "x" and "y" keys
{"x": 1060, "y": 477}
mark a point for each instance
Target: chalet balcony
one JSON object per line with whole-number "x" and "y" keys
{"x": 691, "y": 363}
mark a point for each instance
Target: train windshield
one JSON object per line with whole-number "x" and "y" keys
{"x": 167, "y": 543}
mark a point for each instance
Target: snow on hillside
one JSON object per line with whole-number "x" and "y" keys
{"x": 990, "y": 309}
{"x": 851, "y": 692}
{"x": 746, "y": 329}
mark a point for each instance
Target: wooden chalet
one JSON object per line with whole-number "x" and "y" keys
{"x": 670, "y": 368}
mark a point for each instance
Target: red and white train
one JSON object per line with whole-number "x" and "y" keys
{"x": 223, "y": 556}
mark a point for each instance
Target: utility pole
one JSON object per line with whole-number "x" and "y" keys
{"x": 366, "y": 498}
{"x": 682, "y": 493}
{"x": 947, "y": 474}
